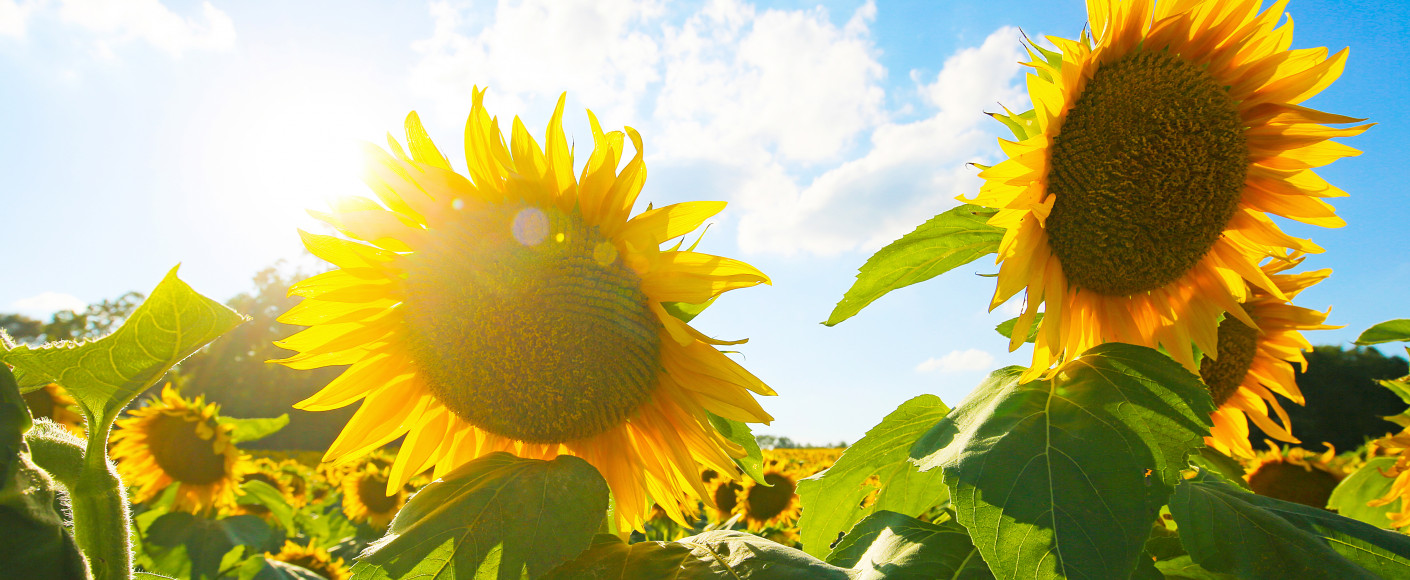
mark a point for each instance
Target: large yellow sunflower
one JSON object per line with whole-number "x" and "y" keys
{"x": 521, "y": 310}
{"x": 177, "y": 441}
{"x": 1254, "y": 363}
{"x": 774, "y": 505}
{"x": 1136, "y": 200}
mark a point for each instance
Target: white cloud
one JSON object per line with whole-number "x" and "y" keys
{"x": 110, "y": 22}
{"x": 14, "y": 17}
{"x": 958, "y": 361}
{"x": 46, "y": 303}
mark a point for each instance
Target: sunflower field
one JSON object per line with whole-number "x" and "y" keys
{"x": 535, "y": 402}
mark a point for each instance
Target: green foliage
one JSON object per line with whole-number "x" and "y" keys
{"x": 263, "y": 568}
{"x": 1062, "y": 477}
{"x": 254, "y": 429}
{"x": 36, "y": 543}
{"x": 104, "y": 375}
{"x": 96, "y": 320}
{"x": 1366, "y": 484}
{"x": 952, "y": 239}
{"x": 753, "y": 461}
{"x": 899, "y": 547}
{"x": 1389, "y": 331}
{"x": 256, "y": 492}
{"x": 832, "y": 500}
{"x": 1006, "y": 327}
{"x": 720, "y": 554}
{"x": 1278, "y": 539}
{"x": 495, "y": 517}
{"x": 190, "y": 546}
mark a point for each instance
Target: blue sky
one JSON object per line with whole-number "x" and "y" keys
{"x": 137, "y": 134}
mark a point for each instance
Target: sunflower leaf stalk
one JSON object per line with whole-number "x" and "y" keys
{"x": 101, "y": 521}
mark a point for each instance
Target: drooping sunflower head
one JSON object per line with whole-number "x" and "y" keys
{"x": 54, "y": 403}
{"x": 1294, "y": 474}
{"x": 1137, "y": 195}
{"x": 1251, "y": 364}
{"x": 313, "y": 559}
{"x": 521, "y": 310}
{"x": 773, "y": 506}
{"x": 366, "y": 495}
{"x": 178, "y": 441}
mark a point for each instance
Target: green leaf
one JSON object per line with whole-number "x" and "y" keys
{"x": 207, "y": 543}
{"x": 35, "y": 540}
{"x": 899, "y": 547}
{"x": 151, "y": 576}
{"x": 720, "y": 554}
{"x": 259, "y": 493}
{"x": 832, "y": 499}
{"x": 1368, "y": 483}
{"x": 1006, "y": 327}
{"x": 949, "y": 240}
{"x": 753, "y": 462}
{"x": 1397, "y": 330}
{"x": 1279, "y": 539}
{"x": 1222, "y": 465}
{"x": 1063, "y": 477}
{"x": 496, "y": 517}
{"x": 684, "y": 311}
{"x": 254, "y": 429}
{"x": 1184, "y": 568}
{"x": 106, "y": 374}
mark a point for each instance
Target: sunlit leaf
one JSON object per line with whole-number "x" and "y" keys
{"x": 256, "y": 492}
{"x": 949, "y": 240}
{"x": 832, "y": 499}
{"x": 495, "y": 517}
{"x": 1184, "y": 568}
{"x": 721, "y": 554}
{"x": 1226, "y": 529}
{"x": 254, "y": 429}
{"x": 1389, "y": 331}
{"x": 1367, "y": 483}
{"x": 899, "y": 547}
{"x": 1006, "y": 327}
{"x": 737, "y": 431}
{"x": 106, "y": 374}
{"x": 1063, "y": 477}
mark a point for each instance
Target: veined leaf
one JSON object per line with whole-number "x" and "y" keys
{"x": 1279, "y": 539}
{"x": 499, "y": 516}
{"x": 720, "y": 554}
{"x": 106, "y": 374}
{"x": 1006, "y": 327}
{"x": 254, "y": 429}
{"x": 832, "y": 499}
{"x": 1063, "y": 477}
{"x": 1368, "y": 483}
{"x": 207, "y": 543}
{"x": 256, "y": 492}
{"x": 892, "y": 546}
{"x": 952, "y": 239}
{"x": 1389, "y": 331}
{"x": 753, "y": 461}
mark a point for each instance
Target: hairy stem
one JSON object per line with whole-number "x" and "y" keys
{"x": 102, "y": 524}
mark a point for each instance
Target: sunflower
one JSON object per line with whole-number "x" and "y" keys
{"x": 296, "y": 478}
{"x": 367, "y": 497}
{"x": 520, "y": 310}
{"x": 723, "y": 497}
{"x": 54, "y": 403}
{"x": 1136, "y": 200}
{"x": 1295, "y": 474}
{"x": 313, "y": 559}
{"x": 178, "y": 441}
{"x": 1252, "y": 364}
{"x": 1395, "y": 446}
{"x": 769, "y": 506}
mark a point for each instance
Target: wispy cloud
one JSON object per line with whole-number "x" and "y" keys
{"x": 108, "y": 23}
{"x": 46, "y": 303}
{"x": 958, "y": 361}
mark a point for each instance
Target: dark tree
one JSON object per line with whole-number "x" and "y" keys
{"x": 1344, "y": 402}
{"x": 96, "y": 321}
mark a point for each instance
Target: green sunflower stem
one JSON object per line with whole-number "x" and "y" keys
{"x": 102, "y": 524}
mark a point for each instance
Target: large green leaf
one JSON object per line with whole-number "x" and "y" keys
{"x": 106, "y": 374}
{"x": 1366, "y": 484}
{"x": 720, "y": 554}
{"x": 1063, "y": 477}
{"x": 952, "y": 239}
{"x": 899, "y": 547}
{"x": 206, "y": 544}
{"x": 1226, "y": 529}
{"x": 737, "y": 431}
{"x": 832, "y": 500}
{"x": 1397, "y": 330}
{"x": 245, "y": 430}
{"x": 499, "y": 516}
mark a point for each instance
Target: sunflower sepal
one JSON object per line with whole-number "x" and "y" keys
{"x": 739, "y": 433}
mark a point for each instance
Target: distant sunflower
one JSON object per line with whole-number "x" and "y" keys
{"x": 296, "y": 479}
{"x": 54, "y": 403}
{"x": 1136, "y": 199}
{"x": 177, "y": 441}
{"x": 1254, "y": 363}
{"x": 521, "y": 310}
{"x": 1296, "y": 475}
{"x": 367, "y": 496}
{"x": 313, "y": 559}
{"x": 775, "y": 505}
{"x": 723, "y": 498}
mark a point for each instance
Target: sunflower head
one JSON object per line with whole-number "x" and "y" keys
{"x": 769, "y": 506}
{"x": 1136, "y": 198}
{"x": 366, "y": 495}
{"x": 1295, "y": 475}
{"x": 175, "y": 441}
{"x": 523, "y": 309}
{"x": 724, "y": 495}
{"x": 314, "y": 559}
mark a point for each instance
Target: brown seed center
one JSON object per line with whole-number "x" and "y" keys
{"x": 182, "y": 453}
